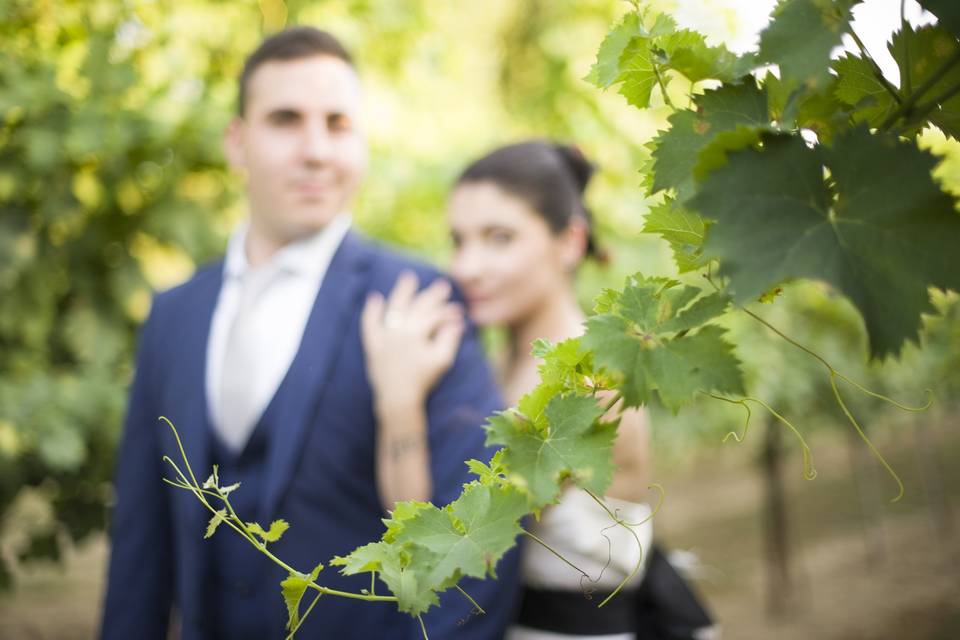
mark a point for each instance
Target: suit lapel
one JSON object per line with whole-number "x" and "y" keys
{"x": 189, "y": 390}
{"x": 301, "y": 388}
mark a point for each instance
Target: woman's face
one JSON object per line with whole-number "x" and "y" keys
{"x": 506, "y": 259}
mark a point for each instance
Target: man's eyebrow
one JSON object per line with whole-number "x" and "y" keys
{"x": 283, "y": 112}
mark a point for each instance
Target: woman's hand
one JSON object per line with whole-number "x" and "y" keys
{"x": 410, "y": 339}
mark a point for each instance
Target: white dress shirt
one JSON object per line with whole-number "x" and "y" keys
{"x": 287, "y": 287}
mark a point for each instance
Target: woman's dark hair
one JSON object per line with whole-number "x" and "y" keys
{"x": 550, "y": 178}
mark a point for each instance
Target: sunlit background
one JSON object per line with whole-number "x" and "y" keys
{"x": 112, "y": 185}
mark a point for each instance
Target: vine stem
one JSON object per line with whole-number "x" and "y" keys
{"x": 877, "y": 72}
{"x": 834, "y": 374}
{"x": 809, "y": 472}
{"x": 304, "y": 617}
{"x": 235, "y": 523}
{"x": 663, "y": 87}
{"x": 613, "y": 401}
{"x": 907, "y": 105}
{"x": 546, "y": 546}
{"x": 927, "y": 107}
{"x": 620, "y": 522}
{"x": 863, "y": 436}
{"x": 468, "y": 597}
{"x": 833, "y": 371}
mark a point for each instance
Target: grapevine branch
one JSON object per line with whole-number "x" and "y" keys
{"x": 809, "y": 472}
{"x": 906, "y": 107}
{"x": 238, "y": 525}
{"x": 877, "y": 72}
{"x": 834, "y": 374}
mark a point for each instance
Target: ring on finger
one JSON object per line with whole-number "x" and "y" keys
{"x": 391, "y": 320}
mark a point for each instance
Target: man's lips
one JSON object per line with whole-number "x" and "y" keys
{"x": 312, "y": 188}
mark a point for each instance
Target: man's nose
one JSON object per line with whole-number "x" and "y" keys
{"x": 317, "y": 144}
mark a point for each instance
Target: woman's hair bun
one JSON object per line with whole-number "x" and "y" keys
{"x": 580, "y": 167}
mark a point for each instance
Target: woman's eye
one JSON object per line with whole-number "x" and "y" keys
{"x": 500, "y": 237}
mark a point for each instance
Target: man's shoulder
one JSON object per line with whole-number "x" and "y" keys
{"x": 205, "y": 282}
{"x": 387, "y": 262}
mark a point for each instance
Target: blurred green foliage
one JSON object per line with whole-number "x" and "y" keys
{"x": 113, "y": 184}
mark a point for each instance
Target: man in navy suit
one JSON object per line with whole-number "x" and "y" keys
{"x": 258, "y": 361}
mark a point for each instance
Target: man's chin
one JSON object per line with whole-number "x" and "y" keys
{"x": 309, "y": 222}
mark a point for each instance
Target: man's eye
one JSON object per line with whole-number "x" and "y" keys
{"x": 338, "y": 123}
{"x": 281, "y": 118}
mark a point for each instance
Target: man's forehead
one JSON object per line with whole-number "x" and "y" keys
{"x": 321, "y": 81}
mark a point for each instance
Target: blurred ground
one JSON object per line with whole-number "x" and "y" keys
{"x": 908, "y": 588}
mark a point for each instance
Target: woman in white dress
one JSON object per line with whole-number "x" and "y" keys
{"x": 520, "y": 229}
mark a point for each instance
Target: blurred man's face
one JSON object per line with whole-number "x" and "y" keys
{"x": 299, "y": 142}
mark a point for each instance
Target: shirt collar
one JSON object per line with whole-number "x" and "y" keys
{"x": 309, "y": 256}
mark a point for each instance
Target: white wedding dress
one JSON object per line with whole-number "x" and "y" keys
{"x": 583, "y": 532}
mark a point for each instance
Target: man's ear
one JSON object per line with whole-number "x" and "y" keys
{"x": 233, "y": 143}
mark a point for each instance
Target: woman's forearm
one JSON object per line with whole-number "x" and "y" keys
{"x": 403, "y": 451}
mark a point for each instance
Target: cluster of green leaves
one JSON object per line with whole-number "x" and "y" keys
{"x": 810, "y": 171}
{"x": 653, "y": 336}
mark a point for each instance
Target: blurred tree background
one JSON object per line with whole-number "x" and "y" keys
{"x": 113, "y": 185}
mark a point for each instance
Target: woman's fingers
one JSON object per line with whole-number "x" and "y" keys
{"x": 435, "y": 318}
{"x": 371, "y": 319}
{"x": 401, "y": 296}
{"x": 432, "y": 297}
{"x": 446, "y": 340}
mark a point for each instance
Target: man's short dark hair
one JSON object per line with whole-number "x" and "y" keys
{"x": 290, "y": 44}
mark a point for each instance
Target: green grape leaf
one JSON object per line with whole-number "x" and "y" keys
{"x": 293, "y": 588}
{"x": 401, "y": 568}
{"x": 687, "y": 52}
{"x": 800, "y": 38}
{"x": 947, "y": 12}
{"x": 489, "y": 473}
{"x": 647, "y": 339}
{"x": 533, "y": 404}
{"x": 638, "y": 72}
{"x": 928, "y": 50}
{"x": 470, "y": 535}
{"x": 718, "y": 110}
{"x": 573, "y": 445}
{"x": 277, "y": 528}
{"x": 402, "y": 511}
{"x": 858, "y": 86}
{"x": 213, "y": 481}
{"x": 215, "y": 520}
{"x": 887, "y": 234}
{"x": 565, "y": 364}
{"x": 230, "y": 488}
{"x": 606, "y": 69}
{"x": 684, "y": 230}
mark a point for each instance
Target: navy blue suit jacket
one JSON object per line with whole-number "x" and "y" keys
{"x": 319, "y": 473}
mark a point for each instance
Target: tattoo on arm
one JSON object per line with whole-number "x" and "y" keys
{"x": 401, "y": 446}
